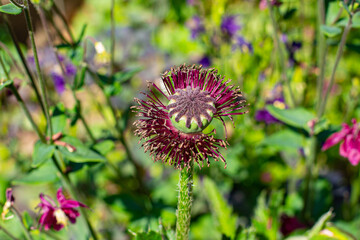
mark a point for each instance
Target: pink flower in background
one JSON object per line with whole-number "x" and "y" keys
{"x": 54, "y": 216}
{"x": 8, "y": 204}
{"x": 263, "y": 4}
{"x": 350, "y": 147}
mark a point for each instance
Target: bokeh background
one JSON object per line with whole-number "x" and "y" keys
{"x": 261, "y": 189}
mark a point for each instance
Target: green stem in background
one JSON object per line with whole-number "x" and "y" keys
{"x": 46, "y": 29}
{"x": 8, "y": 52}
{"x": 321, "y": 51}
{"x": 112, "y": 46}
{"x": 339, "y": 53}
{"x": 82, "y": 119}
{"x": 8, "y": 233}
{"x": 23, "y": 61}
{"x": 26, "y": 231}
{"x": 41, "y": 79}
{"x": 355, "y": 195}
{"x": 21, "y": 102}
{"x": 58, "y": 31}
{"x": 309, "y": 179}
{"x": 63, "y": 19}
{"x": 67, "y": 182}
{"x": 282, "y": 60}
{"x": 311, "y": 157}
{"x": 183, "y": 213}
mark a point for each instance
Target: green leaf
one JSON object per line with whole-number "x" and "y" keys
{"x": 118, "y": 77}
{"x": 82, "y": 34}
{"x": 330, "y": 31}
{"x": 10, "y": 9}
{"x": 356, "y": 20}
{"x": 44, "y": 174}
{"x": 104, "y": 147}
{"x": 346, "y": 7}
{"x": 42, "y": 153}
{"x": 126, "y": 75}
{"x": 27, "y": 220}
{"x": 113, "y": 89}
{"x": 6, "y": 83}
{"x": 289, "y": 13}
{"x": 296, "y": 117}
{"x": 284, "y": 139}
{"x": 82, "y": 153}
{"x": 80, "y": 78}
{"x": 335, "y": 233}
{"x": 220, "y": 209}
{"x": 58, "y": 118}
{"x": 151, "y": 235}
{"x": 320, "y": 224}
{"x": 332, "y": 12}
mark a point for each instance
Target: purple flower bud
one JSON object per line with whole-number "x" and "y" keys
{"x": 243, "y": 45}
{"x": 59, "y": 82}
{"x": 229, "y": 26}
{"x": 205, "y": 62}
{"x": 196, "y": 26}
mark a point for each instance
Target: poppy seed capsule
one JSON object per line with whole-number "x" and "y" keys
{"x": 191, "y": 110}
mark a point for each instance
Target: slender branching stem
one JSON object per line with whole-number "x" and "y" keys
{"x": 16, "y": 4}
{"x": 282, "y": 59}
{"x": 138, "y": 167}
{"x": 339, "y": 53}
{"x": 8, "y": 52}
{"x": 21, "y": 102}
{"x": 26, "y": 231}
{"x": 41, "y": 79}
{"x": 24, "y": 62}
{"x": 50, "y": 40}
{"x": 63, "y": 19}
{"x": 183, "y": 213}
{"x": 58, "y": 31}
{"x": 69, "y": 186}
{"x": 112, "y": 46}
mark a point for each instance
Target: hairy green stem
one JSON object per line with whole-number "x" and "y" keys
{"x": 50, "y": 40}
{"x": 183, "y": 213}
{"x": 21, "y": 102}
{"x": 112, "y": 46}
{"x": 339, "y": 53}
{"x": 8, "y": 233}
{"x": 24, "y": 62}
{"x": 41, "y": 79}
{"x": 282, "y": 59}
{"x": 26, "y": 231}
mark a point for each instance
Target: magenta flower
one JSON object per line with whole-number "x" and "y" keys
{"x": 350, "y": 147}
{"x": 173, "y": 130}
{"x": 54, "y": 216}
